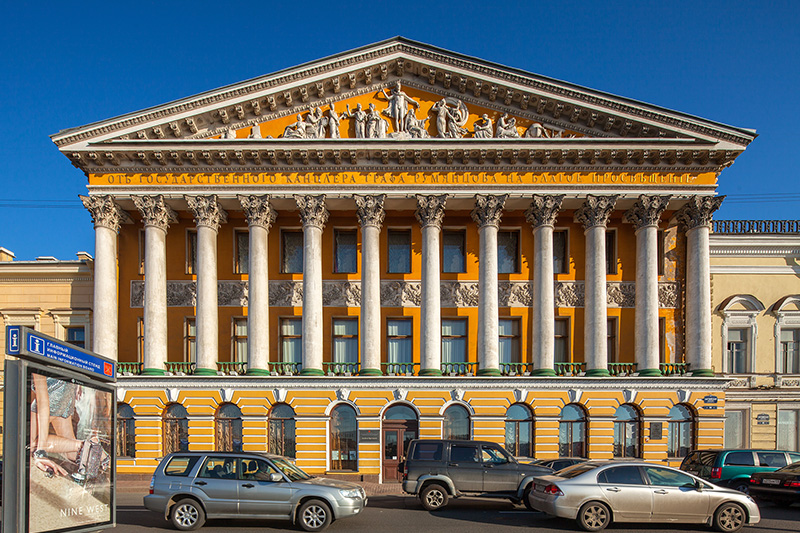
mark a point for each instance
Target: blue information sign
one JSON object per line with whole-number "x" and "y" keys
{"x": 13, "y": 339}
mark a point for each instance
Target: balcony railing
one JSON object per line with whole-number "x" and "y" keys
{"x": 516, "y": 369}
{"x": 755, "y": 226}
{"x": 340, "y": 369}
{"x": 400, "y": 369}
{"x": 236, "y": 368}
{"x": 673, "y": 369}
{"x": 459, "y": 369}
{"x": 569, "y": 369}
{"x": 180, "y": 368}
{"x": 132, "y": 369}
{"x": 621, "y": 369}
{"x": 284, "y": 369}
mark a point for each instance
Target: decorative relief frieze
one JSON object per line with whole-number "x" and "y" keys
{"x": 401, "y": 293}
{"x": 514, "y": 294}
{"x": 668, "y": 294}
{"x": 621, "y": 294}
{"x": 341, "y": 294}
{"x": 286, "y": 293}
{"x": 459, "y": 294}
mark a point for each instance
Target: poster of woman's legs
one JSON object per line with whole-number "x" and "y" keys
{"x": 70, "y": 454}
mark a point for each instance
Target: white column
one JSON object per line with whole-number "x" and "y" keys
{"x": 370, "y": 216}
{"x": 430, "y": 212}
{"x": 260, "y": 217}
{"x": 487, "y": 213}
{"x": 644, "y": 215}
{"x": 208, "y": 215}
{"x": 542, "y": 216}
{"x": 696, "y": 217}
{"x": 107, "y": 217}
{"x": 593, "y": 215}
{"x": 314, "y": 215}
{"x": 156, "y": 216}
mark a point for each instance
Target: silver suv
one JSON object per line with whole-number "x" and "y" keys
{"x": 189, "y": 487}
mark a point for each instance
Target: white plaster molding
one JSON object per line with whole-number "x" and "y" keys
{"x": 755, "y": 269}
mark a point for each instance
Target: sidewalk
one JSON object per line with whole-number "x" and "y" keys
{"x": 139, "y": 486}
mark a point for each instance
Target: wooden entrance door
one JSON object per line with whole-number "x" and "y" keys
{"x": 396, "y": 437}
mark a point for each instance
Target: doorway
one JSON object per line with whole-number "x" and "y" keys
{"x": 398, "y": 428}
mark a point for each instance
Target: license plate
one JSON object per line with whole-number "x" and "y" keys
{"x": 771, "y": 481}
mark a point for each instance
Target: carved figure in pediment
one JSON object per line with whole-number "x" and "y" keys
{"x": 377, "y": 127}
{"x": 361, "y": 120}
{"x": 535, "y": 131}
{"x": 230, "y": 134}
{"x": 507, "y": 127}
{"x": 415, "y": 127}
{"x": 255, "y": 132}
{"x": 398, "y": 106}
{"x": 315, "y": 124}
{"x": 483, "y": 128}
{"x": 296, "y": 130}
{"x": 333, "y": 121}
{"x": 451, "y": 115}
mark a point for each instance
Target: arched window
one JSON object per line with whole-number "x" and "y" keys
{"x": 280, "y": 434}
{"x": 519, "y": 430}
{"x": 176, "y": 429}
{"x": 456, "y": 423}
{"x": 126, "y": 431}
{"x": 627, "y": 424}
{"x": 344, "y": 445}
{"x": 572, "y": 431}
{"x": 228, "y": 428}
{"x": 400, "y": 412}
{"x": 680, "y": 435}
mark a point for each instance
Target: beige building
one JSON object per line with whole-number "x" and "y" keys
{"x": 755, "y": 280}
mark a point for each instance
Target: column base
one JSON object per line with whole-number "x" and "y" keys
{"x": 543, "y": 372}
{"x": 311, "y": 372}
{"x": 597, "y": 373}
{"x": 204, "y": 372}
{"x": 489, "y": 372}
{"x": 430, "y": 372}
{"x": 152, "y": 372}
{"x": 370, "y": 372}
{"x": 257, "y": 372}
{"x": 650, "y": 372}
{"x": 703, "y": 373}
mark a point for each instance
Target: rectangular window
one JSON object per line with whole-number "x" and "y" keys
{"x": 562, "y": 351}
{"x": 735, "y": 429}
{"x": 191, "y": 251}
{"x": 507, "y": 252}
{"x": 509, "y": 340}
{"x": 400, "y": 340}
{"x": 790, "y": 351}
{"x": 662, "y": 339}
{"x": 140, "y": 339}
{"x": 291, "y": 252}
{"x": 239, "y": 340}
{"x": 242, "y": 252}
{"x": 454, "y": 340}
{"x": 660, "y": 251}
{"x": 737, "y": 351}
{"x": 788, "y": 430}
{"x": 611, "y": 340}
{"x": 345, "y": 340}
{"x": 141, "y": 251}
{"x": 611, "y": 251}
{"x": 561, "y": 251}
{"x": 399, "y": 256}
{"x": 345, "y": 244}
{"x": 291, "y": 340}
{"x": 190, "y": 340}
{"x": 76, "y": 335}
{"x": 454, "y": 251}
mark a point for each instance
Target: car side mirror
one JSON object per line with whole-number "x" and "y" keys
{"x": 275, "y": 478}
{"x": 698, "y": 486}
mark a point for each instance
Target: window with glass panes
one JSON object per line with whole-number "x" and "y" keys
{"x": 345, "y": 244}
{"x": 561, "y": 341}
{"x": 175, "y": 430}
{"x": 141, "y": 251}
{"x": 399, "y": 250}
{"x": 191, "y": 251}
{"x": 140, "y": 339}
{"x": 240, "y": 340}
{"x": 611, "y": 339}
{"x": 242, "y": 252}
{"x": 76, "y": 335}
{"x": 611, "y": 251}
{"x": 345, "y": 340}
{"x": 572, "y": 432}
{"x": 400, "y": 345}
{"x": 560, "y": 251}
{"x": 790, "y": 351}
{"x": 126, "y": 431}
{"x": 454, "y": 251}
{"x": 509, "y": 340}
{"x": 190, "y": 340}
{"x": 519, "y": 430}
{"x": 456, "y": 423}
{"x": 737, "y": 351}
{"x": 454, "y": 340}
{"x": 680, "y": 431}
{"x": 228, "y": 428}
{"x": 789, "y": 429}
{"x": 662, "y": 339}
{"x": 281, "y": 430}
{"x": 735, "y": 428}
{"x": 291, "y": 341}
{"x": 627, "y": 442}
{"x": 507, "y": 252}
{"x": 344, "y": 442}
{"x": 292, "y": 251}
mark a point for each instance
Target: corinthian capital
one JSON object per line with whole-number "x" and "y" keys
{"x": 370, "y": 209}
{"x": 698, "y": 210}
{"x": 312, "y": 210}
{"x": 544, "y": 209}
{"x": 595, "y": 210}
{"x": 488, "y": 209}
{"x": 258, "y": 210}
{"x": 155, "y": 212}
{"x": 646, "y": 211}
{"x": 207, "y": 211}
{"x": 430, "y": 209}
{"x": 105, "y": 212}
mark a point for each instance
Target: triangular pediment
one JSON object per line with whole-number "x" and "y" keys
{"x": 452, "y": 97}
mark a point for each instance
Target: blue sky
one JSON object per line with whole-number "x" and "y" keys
{"x": 67, "y": 64}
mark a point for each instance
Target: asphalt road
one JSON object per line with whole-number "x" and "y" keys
{"x": 404, "y": 513}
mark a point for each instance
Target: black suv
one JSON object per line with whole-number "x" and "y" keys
{"x": 437, "y": 469}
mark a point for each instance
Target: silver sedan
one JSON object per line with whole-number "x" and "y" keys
{"x": 596, "y": 493}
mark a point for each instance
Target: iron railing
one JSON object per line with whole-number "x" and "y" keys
{"x": 755, "y": 226}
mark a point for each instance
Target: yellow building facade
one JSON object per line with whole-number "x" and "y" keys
{"x": 399, "y": 242}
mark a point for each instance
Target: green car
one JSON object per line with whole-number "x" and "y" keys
{"x": 733, "y": 468}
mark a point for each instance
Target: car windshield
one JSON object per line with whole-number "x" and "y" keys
{"x": 575, "y": 470}
{"x": 793, "y": 468}
{"x": 290, "y": 470}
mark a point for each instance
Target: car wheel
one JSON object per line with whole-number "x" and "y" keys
{"x": 433, "y": 497}
{"x": 314, "y": 515}
{"x": 729, "y": 517}
{"x": 187, "y": 515}
{"x": 741, "y": 486}
{"x": 526, "y": 497}
{"x": 594, "y": 516}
